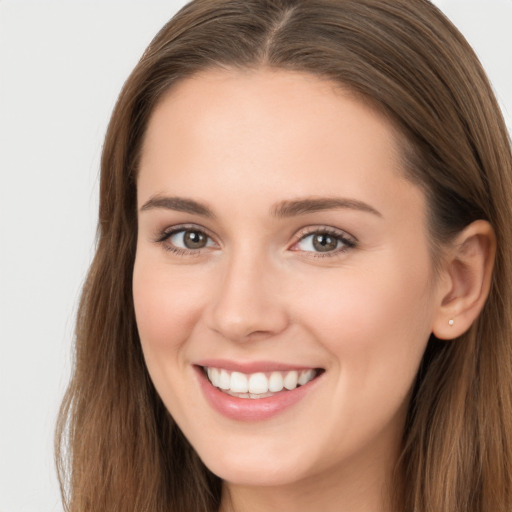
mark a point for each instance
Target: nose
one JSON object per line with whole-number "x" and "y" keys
{"x": 247, "y": 303}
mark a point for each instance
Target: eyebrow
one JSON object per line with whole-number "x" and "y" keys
{"x": 311, "y": 205}
{"x": 289, "y": 208}
{"x": 179, "y": 204}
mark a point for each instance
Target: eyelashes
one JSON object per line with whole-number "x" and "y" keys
{"x": 314, "y": 241}
{"x": 323, "y": 241}
{"x": 186, "y": 239}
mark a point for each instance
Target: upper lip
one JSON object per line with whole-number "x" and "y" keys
{"x": 249, "y": 367}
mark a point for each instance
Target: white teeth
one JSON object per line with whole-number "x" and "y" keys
{"x": 275, "y": 383}
{"x": 305, "y": 376}
{"x": 290, "y": 381}
{"x": 224, "y": 380}
{"x": 258, "y": 385}
{"x": 239, "y": 383}
{"x": 213, "y": 375}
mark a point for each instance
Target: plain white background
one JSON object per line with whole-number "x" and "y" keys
{"x": 62, "y": 64}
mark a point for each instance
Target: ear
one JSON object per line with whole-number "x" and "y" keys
{"x": 466, "y": 280}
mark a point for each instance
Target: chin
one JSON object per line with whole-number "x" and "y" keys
{"x": 260, "y": 466}
{"x": 245, "y": 473}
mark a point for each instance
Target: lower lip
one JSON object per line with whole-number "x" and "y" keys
{"x": 251, "y": 409}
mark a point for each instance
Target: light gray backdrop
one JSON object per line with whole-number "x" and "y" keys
{"x": 62, "y": 64}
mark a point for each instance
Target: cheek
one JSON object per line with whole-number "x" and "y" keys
{"x": 375, "y": 326}
{"x": 376, "y": 320}
{"x": 167, "y": 304}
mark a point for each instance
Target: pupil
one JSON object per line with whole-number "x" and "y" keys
{"x": 194, "y": 240}
{"x": 324, "y": 243}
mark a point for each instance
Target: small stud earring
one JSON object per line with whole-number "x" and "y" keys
{"x": 451, "y": 322}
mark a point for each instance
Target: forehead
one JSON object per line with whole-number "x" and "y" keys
{"x": 241, "y": 133}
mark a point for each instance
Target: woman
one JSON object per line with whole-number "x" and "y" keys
{"x": 300, "y": 298}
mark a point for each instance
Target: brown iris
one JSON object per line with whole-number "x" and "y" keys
{"x": 194, "y": 239}
{"x": 324, "y": 243}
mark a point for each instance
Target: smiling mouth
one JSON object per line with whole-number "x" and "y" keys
{"x": 259, "y": 384}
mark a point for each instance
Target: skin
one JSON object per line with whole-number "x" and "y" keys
{"x": 240, "y": 143}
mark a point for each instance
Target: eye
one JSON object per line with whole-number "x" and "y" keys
{"x": 185, "y": 240}
{"x": 189, "y": 239}
{"x": 324, "y": 241}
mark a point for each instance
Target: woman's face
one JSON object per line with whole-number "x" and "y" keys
{"x": 280, "y": 244}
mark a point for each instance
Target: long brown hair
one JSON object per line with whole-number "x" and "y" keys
{"x": 117, "y": 446}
